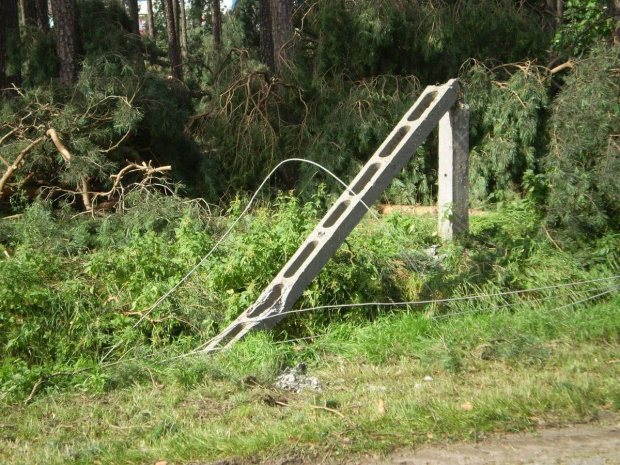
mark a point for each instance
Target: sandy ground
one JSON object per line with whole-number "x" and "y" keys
{"x": 594, "y": 444}
{"x": 577, "y": 445}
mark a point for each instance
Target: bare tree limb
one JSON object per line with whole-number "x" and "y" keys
{"x": 4, "y": 161}
{"x": 563, "y": 66}
{"x": 8, "y": 134}
{"x": 147, "y": 169}
{"x": 11, "y": 169}
{"x": 88, "y": 206}
{"x": 66, "y": 155}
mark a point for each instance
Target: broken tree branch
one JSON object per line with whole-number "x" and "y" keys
{"x": 4, "y": 161}
{"x": 88, "y": 206}
{"x": 64, "y": 153}
{"x": 557, "y": 69}
{"x": 11, "y": 169}
{"x": 147, "y": 169}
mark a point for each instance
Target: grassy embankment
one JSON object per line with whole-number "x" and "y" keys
{"x": 493, "y": 369}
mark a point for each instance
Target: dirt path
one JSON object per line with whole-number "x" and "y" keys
{"x": 577, "y": 445}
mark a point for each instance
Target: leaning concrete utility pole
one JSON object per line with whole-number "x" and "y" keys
{"x": 389, "y": 159}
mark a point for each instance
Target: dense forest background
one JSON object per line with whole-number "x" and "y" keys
{"x": 218, "y": 98}
{"x": 111, "y": 127}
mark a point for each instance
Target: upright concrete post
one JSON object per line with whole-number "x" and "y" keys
{"x": 453, "y": 195}
{"x": 389, "y": 159}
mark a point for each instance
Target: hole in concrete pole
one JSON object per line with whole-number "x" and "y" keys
{"x": 391, "y": 145}
{"x": 301, "y": 258}
{"x": 424, "y": 104}
{"x": 272, "y": 299}
{"x": 236, "y": 330}
{"x": 366, "y": 177}
{"x": 338, "y": 211}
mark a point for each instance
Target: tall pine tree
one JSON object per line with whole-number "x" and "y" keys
{"x": 9, "y": 45}
{"x": 66, "y": 39}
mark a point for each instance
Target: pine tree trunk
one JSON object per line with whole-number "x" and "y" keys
{"x": 559, "y": 11}
{"x": 282, "y": 31}
{"x": 134, "y": 14}
{"x": 35, "y": 13}
{"x": 150, "y": 21}
{"x": 66, "y": 39}
{"x": 266, "y": 36}
{"x": 9, "y": 45}
{"x": 216, "y": 21}
{"x": 183, "y": 23}
{"x": 176, "y": 15}
{"x": 173, "y": 41}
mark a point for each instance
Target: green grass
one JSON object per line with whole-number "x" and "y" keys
{"x": 516, "y": 368}
{"x": 74, "y": 287}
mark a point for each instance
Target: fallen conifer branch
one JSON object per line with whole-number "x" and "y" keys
{"x": 18, "y": 161}
{"x": 132, "y": 167}
{"x": 64, "y": 153}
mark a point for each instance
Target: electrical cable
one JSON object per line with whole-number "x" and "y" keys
{"x": 522, "y": 302}
{"x": 376, "y": 304}
{"x": 242, "y": 214}
{"x": 232, "y": 226}
{"x": 200, "y": 348}
{"x": 436, "y": 301}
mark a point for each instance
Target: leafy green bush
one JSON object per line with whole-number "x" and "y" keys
{"x": 72, "y": 289}
{"x": 359, "y": 272}
{"x": 585, "y": 24}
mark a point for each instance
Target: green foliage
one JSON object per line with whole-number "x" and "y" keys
{"x": 74, "y": 287}
{"x": 338, "y": 97}
{"x": 247, "y": 13}
{"x": 38, "y": 55}
{"x": 429, "y": 40}
{"x": 115, "y": 114}
{"x": 207, "y": 408}
{"x": 254, "y": 123}
{"x": 92, "y": 121}
{"x": 585, "y": 23}
{"x": 104, "y": 28}
{"x": 255, "y": 254}
{"x": 507, "y": 122}
{"x": 346, "y": 131}
{"x": 584, "y": 155}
